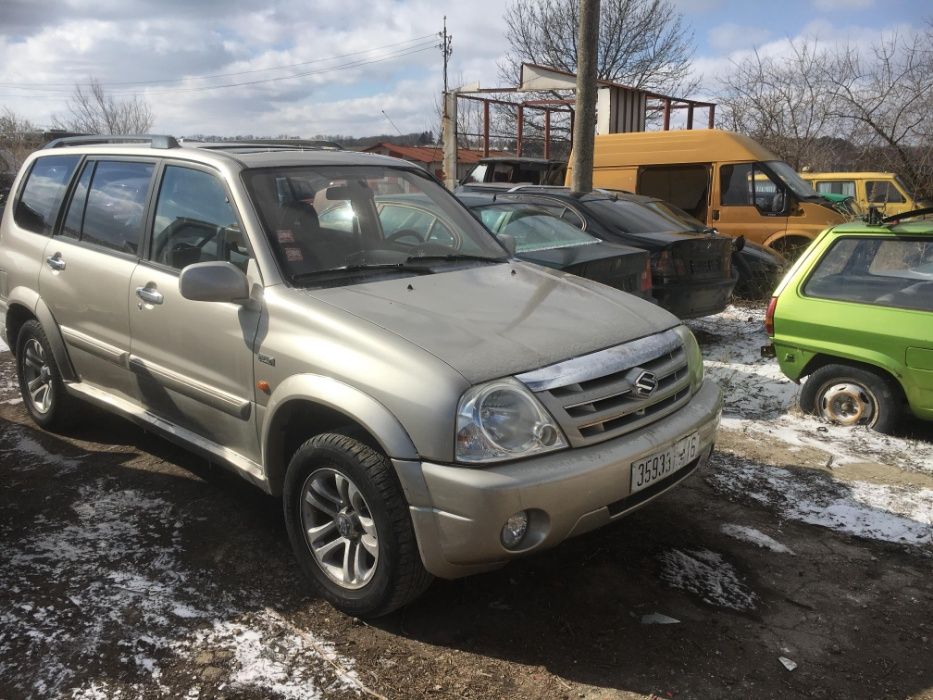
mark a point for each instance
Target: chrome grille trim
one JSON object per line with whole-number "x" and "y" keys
{"x": 593, "y": 399}
{"x": 601, "y": 363}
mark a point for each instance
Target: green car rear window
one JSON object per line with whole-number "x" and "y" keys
{"x": 895, "y": 272}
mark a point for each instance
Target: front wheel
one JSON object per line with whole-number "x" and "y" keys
{"x": 349, "y": 526}
{"x": 848, "y": 395}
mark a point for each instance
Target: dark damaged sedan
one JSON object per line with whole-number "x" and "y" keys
{"x": 540, "y": 237}
{"x": 692, "y": 271}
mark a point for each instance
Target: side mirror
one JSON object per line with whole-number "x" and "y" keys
{"x": 508, "y": 242}
{"x": 214, "y": 281}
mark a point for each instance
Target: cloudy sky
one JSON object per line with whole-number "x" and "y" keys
{"x": 309, "y": 67}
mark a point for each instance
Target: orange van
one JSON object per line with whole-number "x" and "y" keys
{"x": 728, "y": 180}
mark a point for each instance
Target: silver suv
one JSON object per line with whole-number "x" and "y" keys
{"x": 423, "y": 403}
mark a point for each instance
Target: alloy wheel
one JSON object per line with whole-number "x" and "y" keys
{"x": 38, "y": 375}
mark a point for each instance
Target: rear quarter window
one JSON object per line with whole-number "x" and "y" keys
{"x": 43, "y": 192}
{"x": 879, "y": 271}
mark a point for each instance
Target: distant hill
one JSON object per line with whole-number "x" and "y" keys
{"x": 415, "y": 138}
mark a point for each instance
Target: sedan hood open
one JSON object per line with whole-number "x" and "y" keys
{"x": 492, "y": 321}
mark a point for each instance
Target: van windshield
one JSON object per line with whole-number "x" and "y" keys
{"x": 796, "y": 184}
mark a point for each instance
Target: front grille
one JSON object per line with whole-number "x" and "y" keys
{"x": 596, "y": 397}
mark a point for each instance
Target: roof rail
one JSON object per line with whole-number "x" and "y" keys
{"x": 529, "y": 186}
{"x": 154, "y": 140}
{"x": 292, "y": 144}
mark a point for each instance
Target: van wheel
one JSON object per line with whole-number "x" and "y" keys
{"x": 349, "y": 527}
{"x": 40, "y": 381}
{"x": 791, "y": 247}
{"x": 847, "y": 395}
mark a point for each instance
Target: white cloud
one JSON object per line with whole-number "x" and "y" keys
{"x": 179, "y": 40}
{"x": 846, "y": 5}
{"x": 729, "y": 36}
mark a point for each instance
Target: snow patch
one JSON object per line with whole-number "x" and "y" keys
{"x": 3, "y": 346}
{"x": 707, "y": 575}
{"x": 757, "y": 537}
{"x": 31, "y": 452}
{"x": 901, "y": 514}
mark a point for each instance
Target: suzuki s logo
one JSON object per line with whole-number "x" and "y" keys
{"x": 645, "y": 384}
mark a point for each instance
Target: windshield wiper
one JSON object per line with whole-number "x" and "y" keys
{"x": 451, "y": 257}
{"x": 331, "y": 271}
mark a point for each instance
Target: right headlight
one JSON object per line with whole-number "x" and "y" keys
{"x": 694, "y": 356}
{"x": 503, "y": 420}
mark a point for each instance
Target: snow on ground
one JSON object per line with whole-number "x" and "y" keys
{"x": 108, "y": 568}
{"x": 707, "y": 575}
{"x": 900, "y": 514}
{"x": 757, "y": 537}
{"x": 3, "y": 346}
{"x": 761, "y": 401}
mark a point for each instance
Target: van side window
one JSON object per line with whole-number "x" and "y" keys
{"x": 843, "y": 187}
{"x": 685, "y": 186}
{"x": 42, "y": 196}
{"x": 194, "y": 221}
{"x": 116, "y": 205}
{"x": 881, "y": 192}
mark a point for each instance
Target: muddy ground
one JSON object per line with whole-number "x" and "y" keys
{"x": 133, "y": 569}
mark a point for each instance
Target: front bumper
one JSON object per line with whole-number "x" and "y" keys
{"x": 458, "y": 512}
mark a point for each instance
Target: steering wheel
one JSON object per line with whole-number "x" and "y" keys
{"x": 402, "y": 233}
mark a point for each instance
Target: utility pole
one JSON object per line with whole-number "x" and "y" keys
{"x": 584, "y": 125}
{"x": 449, "y": 120}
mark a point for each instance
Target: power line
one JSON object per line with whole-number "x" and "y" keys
{"x": 406, "y": 51}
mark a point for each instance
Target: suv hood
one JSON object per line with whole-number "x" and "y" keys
{"x": 491, "y": 321}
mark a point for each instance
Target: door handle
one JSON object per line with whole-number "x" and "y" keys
{"x": 55, "y": 262}
{"x": 149, "y": 295}
{"x": 715, "y": 214}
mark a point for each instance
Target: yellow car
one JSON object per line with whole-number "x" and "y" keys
{"x": 884, "y": 191}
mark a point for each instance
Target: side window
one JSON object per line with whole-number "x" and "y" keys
{"x": 116, "y": 205}
{"x": 745, "y": 184}
{"x": 194, "y": 221}
{"x": 881, "y": 192}
{"x": 42, "y": 196}
{"x": 843, "y": 187}
{"x": 74, "y": 219}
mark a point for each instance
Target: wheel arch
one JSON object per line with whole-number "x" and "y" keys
{"x": 307, "y": 405}
{"x": 24, "y": 305}
{"x": 822, "y": 359}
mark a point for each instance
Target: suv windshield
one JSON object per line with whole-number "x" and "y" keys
{"x": 323, "y": 223}
{"x": 800, "y": 187}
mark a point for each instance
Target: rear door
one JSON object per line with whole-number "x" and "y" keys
{"x": 193, "y": 360}
{"x": 88, "y": 265}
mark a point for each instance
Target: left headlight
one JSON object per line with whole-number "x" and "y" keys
{"x": 694, "y": 356}
{"x": 503, "y": 420}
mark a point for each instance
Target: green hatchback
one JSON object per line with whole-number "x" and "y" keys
{"x": 854, "y": 315}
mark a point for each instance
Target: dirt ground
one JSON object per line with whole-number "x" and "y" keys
{"x": 133, "y": 569}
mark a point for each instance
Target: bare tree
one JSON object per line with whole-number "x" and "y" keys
{"x": 840, "y": 107}
{"x": 885, "y": 99}
{"x": 18, "y": 138}
{"x": 642, "y": 43}
{"x": 91, "y": 110}
{"x": 785, "y": 103}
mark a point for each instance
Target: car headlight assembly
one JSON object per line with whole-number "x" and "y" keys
{"x": 502, "y": 420}
{"x": 694, "y": 356}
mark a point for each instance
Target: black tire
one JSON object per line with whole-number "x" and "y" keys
{"x": 865, "y": 389}
{"x": 59, "y": 412}
{"x": 399, "y": 575}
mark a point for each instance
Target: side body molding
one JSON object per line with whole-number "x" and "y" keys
{"x": 30, "y": 299}
{"x": 357, "y": 406}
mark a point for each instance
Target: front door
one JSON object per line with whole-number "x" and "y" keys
{"x": 748, "y": 202}
{"x": 193, "y": 360}
{"x": 88, "y": 265}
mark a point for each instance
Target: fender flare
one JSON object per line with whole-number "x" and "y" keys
{"x": 32, "y": 302}
{"x": 345, "y": 399}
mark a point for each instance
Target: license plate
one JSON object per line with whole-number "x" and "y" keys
{"x": 650, "y": 470}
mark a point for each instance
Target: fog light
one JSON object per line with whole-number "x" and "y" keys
{"x": 513, "y": 532}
